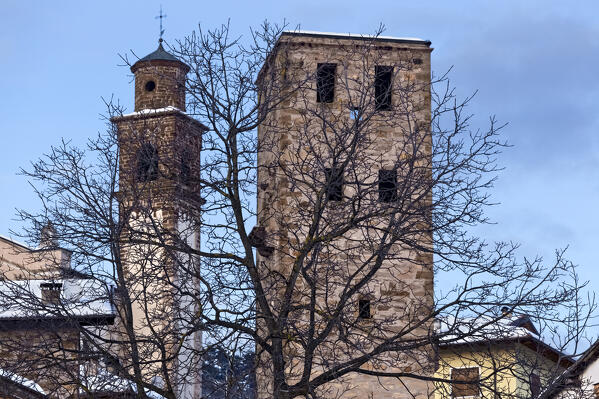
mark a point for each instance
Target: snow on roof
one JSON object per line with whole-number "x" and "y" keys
{"x": 27, "y": 383}
{"x": 13, "y": 241}
{"x": 22, "y": 299}
{"x": 485, "y": 329}
{"x": 355, "y": 36}
{"x": 157, "y": 112}
{"x": 153, "y": 111}
{"x": 459, "y": 331}
{"x": 102, "y": 380}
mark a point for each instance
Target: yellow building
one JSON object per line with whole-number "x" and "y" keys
{"x": 490, "y": 358}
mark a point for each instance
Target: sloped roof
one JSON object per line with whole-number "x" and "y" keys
{"x": 79, "y": 298}
{"x": 587, "y": 357}
{"x": 570, "y": 376}
{"x": 490, "y": 330}
{"x": 458, "y": 331}
{"x": 158, "y": 55}
{"x": 16, "y": 385}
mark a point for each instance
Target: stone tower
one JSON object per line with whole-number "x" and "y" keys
{"x": 159, "y": 151}
{"x": 347, "y": 135}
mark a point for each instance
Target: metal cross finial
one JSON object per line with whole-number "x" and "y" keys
{"x": 161, "y": 16}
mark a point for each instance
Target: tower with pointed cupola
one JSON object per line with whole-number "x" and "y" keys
{"x": 159, "y": 205}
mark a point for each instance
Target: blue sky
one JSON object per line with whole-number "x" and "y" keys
{"x": 534, "y": 64}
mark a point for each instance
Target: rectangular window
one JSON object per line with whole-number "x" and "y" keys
{"x": 388, "y": 185}
{"x": 51, "y": 292}
{"x": 364, "y": 309}
{"x": 535, "y": 385}
{"x": 334, "y": 184}
{"x": 325, "y": 82}
{"x": 383, "y": 75}
{"x": 464, "y": 382}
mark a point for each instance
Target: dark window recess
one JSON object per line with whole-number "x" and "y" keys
{"x": 387, "y": 185}
{"x": 147, "y": 163}
{"x": 334, "y": 184}
{"x": 535, "y": 385}
{"x": 185, "y": 168}
{"x": 325, "y": 82}
{"x": 464, "y": 382}
{"x": 150, "y": 85}
{"x": 364, "y": 309}
{"x": 417, "y": 61}
{"x": 85, "y": 346}
{"x": 51, "y": 292}
{"x": 113, "y": 363}
{"x": 383, "y": 75}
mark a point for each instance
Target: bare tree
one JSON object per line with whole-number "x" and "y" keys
{"x": 362, "y": 201}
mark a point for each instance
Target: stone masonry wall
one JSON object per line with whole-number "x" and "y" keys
{"x": 168, "y": 88}
{"x": 159, "y": 202}
{"x": 403, "y": 287}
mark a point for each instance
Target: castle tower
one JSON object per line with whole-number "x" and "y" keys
{"x": 344, "y": 164}
{"x": 159, "y": 151}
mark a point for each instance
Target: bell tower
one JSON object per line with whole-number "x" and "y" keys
{"x": 159, "y": 206}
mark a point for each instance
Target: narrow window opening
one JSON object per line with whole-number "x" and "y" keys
{"x": 85, "y": 346}
{"x": 334, "y": 183}
{"x": 387, "y": 185}
{"x": 51, "y": 292}
{"x": 464, "y": 382}
{"x": 364, "y": 309}
{"x": 535, "y": 385}
{"x": 325, "y": 82}
{"x": 185, "y": 175}
{"x": 147, "y": 163}
{"x": 382, "y": 87}
{"x": 355, "y": 113}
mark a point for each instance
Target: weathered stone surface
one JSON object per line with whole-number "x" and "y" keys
{"x": 159, "y": 207}
{"x": 404, "y": 286}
